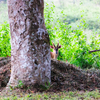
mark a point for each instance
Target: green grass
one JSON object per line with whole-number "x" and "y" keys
{"x": 78, "y": 95}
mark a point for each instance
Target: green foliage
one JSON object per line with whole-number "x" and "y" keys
{"x": 46, "y": 86}
{"x": 11, "y": 88}
{"x": 20, "y": 84}
{"x": 49, "y": 19}
{"x": 5, "y": 46}
{"x": 76, "y": 44}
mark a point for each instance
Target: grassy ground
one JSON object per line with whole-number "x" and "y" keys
{"x": 77, "y": 95}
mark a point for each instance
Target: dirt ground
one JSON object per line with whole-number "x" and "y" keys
{"x": 64, "y": 77}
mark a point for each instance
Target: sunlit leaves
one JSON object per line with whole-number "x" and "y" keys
{"x": 5, "y": 47}
{"x": 75, "y": 43}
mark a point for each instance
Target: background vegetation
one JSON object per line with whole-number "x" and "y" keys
{"x": 76, "y": 26}
{"x": 74, "y": 23}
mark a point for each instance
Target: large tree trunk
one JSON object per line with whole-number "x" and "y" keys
{"x": 30, "y": 49}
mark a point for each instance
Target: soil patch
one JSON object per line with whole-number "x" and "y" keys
{"x": 64, "y": 77}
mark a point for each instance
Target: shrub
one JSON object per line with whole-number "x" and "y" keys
{"x": 75, "y": 42}
{"x": 5, "y": 46}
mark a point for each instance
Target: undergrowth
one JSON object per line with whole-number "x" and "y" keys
{"x": 5, "y": 46}
{"x": 76, "y": 44}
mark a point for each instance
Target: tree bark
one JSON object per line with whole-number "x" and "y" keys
{"x": 30, "y": 47}
{"x": 93, "y": 51}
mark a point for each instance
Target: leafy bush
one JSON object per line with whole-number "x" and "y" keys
{"x": 75, "y": 42}
{"x": 5, "y": 46}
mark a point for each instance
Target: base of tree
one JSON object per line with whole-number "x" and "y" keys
{"x": 64, "y": 77}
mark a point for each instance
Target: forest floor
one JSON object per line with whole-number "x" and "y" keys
{"x": 66, "y": 78}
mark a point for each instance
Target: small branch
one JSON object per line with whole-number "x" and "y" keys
{"x": 93, "y": 51}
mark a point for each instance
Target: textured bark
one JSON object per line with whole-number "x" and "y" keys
{"x": 30, "y": 48}
{"x": 93, "y": 51}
